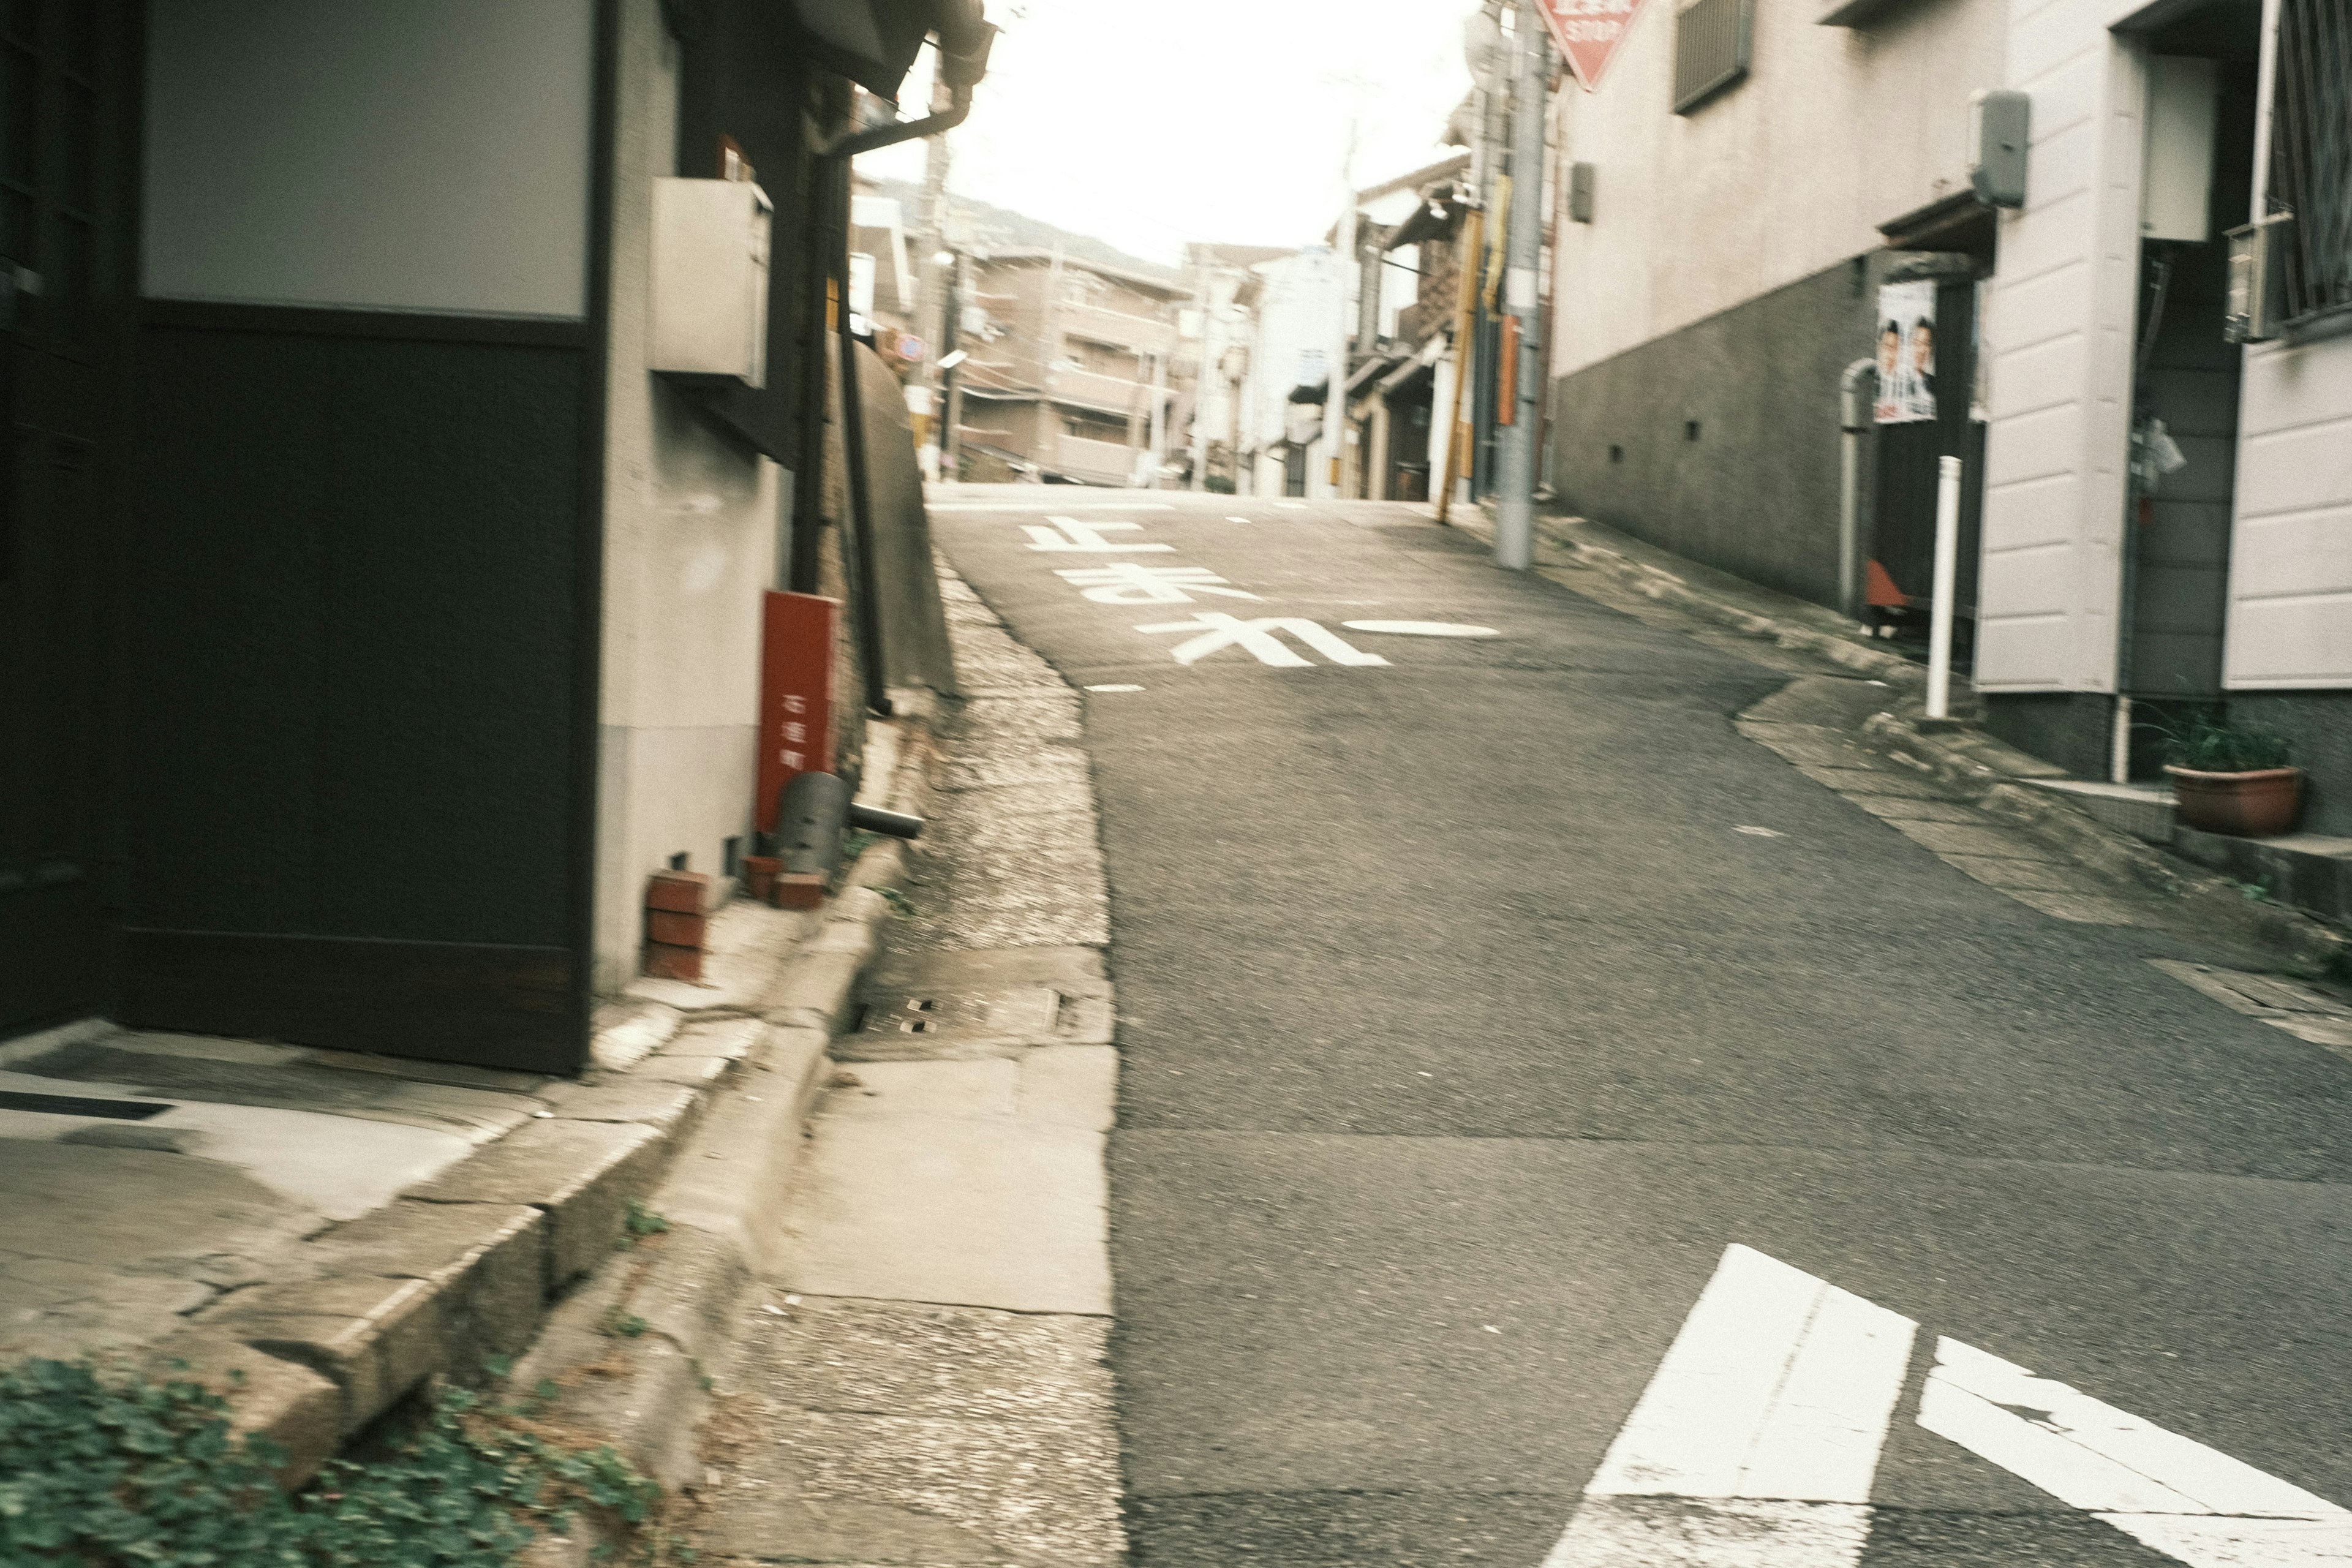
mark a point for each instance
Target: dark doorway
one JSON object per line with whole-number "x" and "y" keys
{"x": 2185, "y": 385}
{"x": 1899, "y": 583}
{"x": 1294, "y": 469}
{"x": 64, "y": 158}
{"x": 1409, "y": 417}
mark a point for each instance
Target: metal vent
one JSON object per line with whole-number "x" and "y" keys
{"x": 2311, "y": 157}
{"x": 1711, "y": 43}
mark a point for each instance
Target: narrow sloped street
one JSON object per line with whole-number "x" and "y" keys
{"x": 1483, "y": 999}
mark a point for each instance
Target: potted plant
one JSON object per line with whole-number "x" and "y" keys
{"x": 2233, "y": 778}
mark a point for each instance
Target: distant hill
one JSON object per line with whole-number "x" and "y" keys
{"x": 1004, "y": 229}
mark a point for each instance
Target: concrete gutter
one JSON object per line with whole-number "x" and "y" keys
{"x": 515, "y": 1247}
{"x": 1957, "y": 752}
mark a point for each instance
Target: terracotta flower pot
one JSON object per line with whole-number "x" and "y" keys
{"x": 2251, "y": 805}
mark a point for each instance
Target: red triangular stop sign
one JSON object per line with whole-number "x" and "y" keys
{"x": 1587, "y": 33}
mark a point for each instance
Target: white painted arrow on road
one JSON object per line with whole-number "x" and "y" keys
{"x": 1257, "y": 637}
{"x": 1069, "y": 533}
{"x": 1758, "y": 1439}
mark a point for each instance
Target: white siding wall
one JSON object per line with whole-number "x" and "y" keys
{"x": 2059, "y": 331}
{"x": 2291, "y": 559}
{"x": 1835, "y": 132}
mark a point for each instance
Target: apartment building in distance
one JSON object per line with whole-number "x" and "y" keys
{"x": 1074, "y": 369}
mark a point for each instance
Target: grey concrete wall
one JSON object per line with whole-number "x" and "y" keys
{"x": 1755, "y": 492}
{"x": 2319, "y": 726}
{"x": 2071, "y": 729}
{"x": 691, "y": 519}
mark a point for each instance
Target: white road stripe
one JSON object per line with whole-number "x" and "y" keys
{"x": 2173, "y": 1494}
{"x": 1056, "y": 505}
{"x": 1779, "y": 1386}
{"x": 1758, "y": 1439}
{"x": 1730, "y": 1532}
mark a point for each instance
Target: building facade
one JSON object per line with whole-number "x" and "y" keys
{"x": 380, "y": 600}
{"x": 1073, "y": 370}
{"x": 2155, "y": 516}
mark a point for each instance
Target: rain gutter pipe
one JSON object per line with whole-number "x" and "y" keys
{"x": 961, "y": 69}
{"x": 1856, "y": 389}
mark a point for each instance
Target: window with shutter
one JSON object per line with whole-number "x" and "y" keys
{"x": 1711, "y": 46}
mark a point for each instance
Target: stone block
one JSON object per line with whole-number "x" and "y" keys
{"x": 487, "y": 1262}
{"x": 665, "y": 963}
{"x": 679, "y": 892}
{"x": 672, "y": 929}
{"x": 581, "y": 1174}
{"x": 797, "y": 890}
{"x": 814, "y": 990}
{"x": 636, "y": 1096}
{"x": 1958, "y": 838}
{"x": 374, "y": 1338}
{"x": 269, "y": 1399}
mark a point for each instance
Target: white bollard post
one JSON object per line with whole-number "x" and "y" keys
{"x": 1947, "y": 571}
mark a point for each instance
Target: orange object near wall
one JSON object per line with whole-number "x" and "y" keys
{"x": 796, "y": 654}
{"x": 1507, "y": 374}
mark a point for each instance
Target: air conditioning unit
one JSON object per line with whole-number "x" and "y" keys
{"x": 710, "y": 280}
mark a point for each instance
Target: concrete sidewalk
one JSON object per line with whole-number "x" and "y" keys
{"x": 339, "y": 1228}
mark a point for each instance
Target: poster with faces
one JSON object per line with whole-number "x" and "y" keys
{"x": 1906, "y": 353}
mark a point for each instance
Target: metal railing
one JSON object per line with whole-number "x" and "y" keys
{"x": 2311, "y": 157}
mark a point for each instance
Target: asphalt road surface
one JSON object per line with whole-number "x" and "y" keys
{"x": 1474, "y": 1045}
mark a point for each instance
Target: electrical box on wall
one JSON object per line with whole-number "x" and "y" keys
{"x": 2175, "y": 190}
{"x": 710, "y": 280}
{"x": 1999, "y": 125}
{"x": 1579, "y": 192}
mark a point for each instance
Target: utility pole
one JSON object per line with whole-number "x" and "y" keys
{"x": 952, "y": 412}
{"x": 1519, "y": 407}
{"x": 1325, "y": 481}
{"x": 932, "y": 286}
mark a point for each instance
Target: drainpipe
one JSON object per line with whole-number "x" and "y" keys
{"x": 1858, "y": 390}
{"x": 960, "y": 69}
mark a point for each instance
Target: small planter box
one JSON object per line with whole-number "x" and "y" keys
{"x": 2258, "y": 804}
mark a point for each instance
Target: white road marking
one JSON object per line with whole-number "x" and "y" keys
{"x": 1756, "y": 1440}
{"x": 1064, "y": 505}
{"x": 1117, "y": 686}
{"x": 1754, "y": 832}
{"x": 1292, "y": 505}
{"x": 1133, "y": 583}
{"x": 1069, "y": 533}
{"x": 1230, "y": 518}
{"x": 1755, "y": 1444}
{"x": 1780, "y": 1385}
{"x": 1423, "y": 628}
{"x": 1218, "y": 630}
{"x": 2173, "y": 1494}
{"x": 1726, "y": 1532}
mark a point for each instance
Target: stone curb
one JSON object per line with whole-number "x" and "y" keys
{"x": 1970, "y": 763}
{"x": 1652, "y": 582}
{"x": 2282, "y": 931}
{"x": 632, "y": 1350}
{"x": 500, "y": 1255}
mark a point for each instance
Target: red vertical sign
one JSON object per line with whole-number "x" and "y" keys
{"x": 1587, "y": 33}
{"x": 795, "y": 694}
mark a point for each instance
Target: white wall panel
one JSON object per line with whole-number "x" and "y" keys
{"x": 393, "y": 154}
{"x": 2301, "y": 553}
{"x": 2062, "y": 308}
{"x": 2291, "y": 574}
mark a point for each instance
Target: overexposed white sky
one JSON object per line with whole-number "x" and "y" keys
{"x": 1149, "y": 126}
